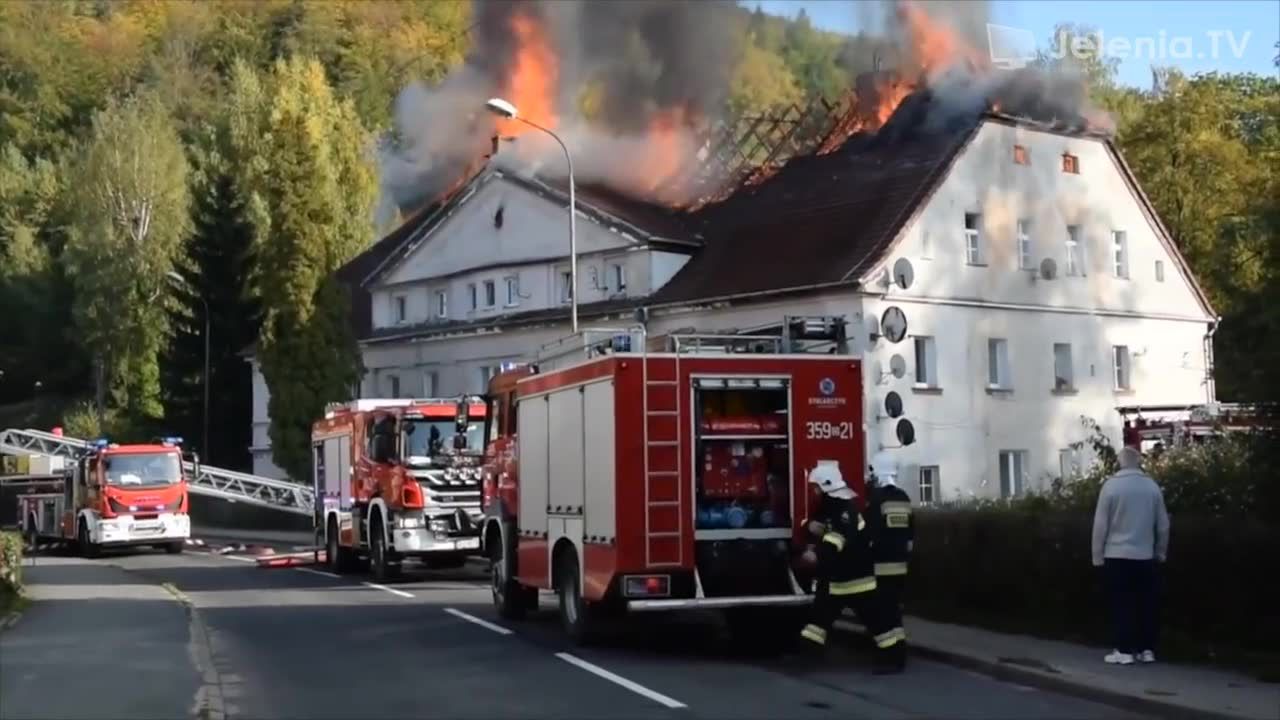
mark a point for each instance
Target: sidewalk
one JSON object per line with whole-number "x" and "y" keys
{"x": 1166, "y": 689}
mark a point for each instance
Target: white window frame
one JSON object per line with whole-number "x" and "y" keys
{"x": 1070, "y": 371}
{"x": 566, "y": 286}
{"x": 393, "y": 383}
{"x": 973, "y": 239}
{"x": 1012, "y": 466}
{"x": 1121, "y": 368}
{"x": 442, "y": 304}
{"x": 933, "y": 484}
{"x": 513, "y": 290}
{"x": 400, "y": 309}
{"x": 1075, "y": 251}
{"x": 430, "y": 383}
{"x": 1068, "y": 463}
{"x": 998, "y": 370}
{"x": 1160, "y": 271}
{"x": 490, "y": 293}
{"x": 1120, "y": 254}
{"x": 926, "y": 366}
{"x": 618, "y": 276}
{"x": 1024, "y": 245}
{"x": 475, "y": 296}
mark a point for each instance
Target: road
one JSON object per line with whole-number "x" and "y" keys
{"x": 150, "y": 635}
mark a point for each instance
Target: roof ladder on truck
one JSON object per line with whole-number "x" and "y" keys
{"x": 210, "y": 481}
{"x": 662, "y": 486}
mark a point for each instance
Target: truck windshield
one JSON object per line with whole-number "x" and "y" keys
{"x": 425, "y": 438}
{"x": 143, "y": 469}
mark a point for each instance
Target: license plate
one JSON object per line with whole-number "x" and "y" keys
{"x": 468, "y": 544}
{"x": 145, "y": 527}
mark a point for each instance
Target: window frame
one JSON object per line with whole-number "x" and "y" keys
{"x": 474, "y": 292}
{"x": 1021, "y": 156}
{"x": 934, "y": 484}
{"x": 973, "y": 254}
{"x": 929, "y": 367}
{"x": 998, "y": 350}
{"x": 400, "y": 308}
{"x": 513, "y": 290}
{"x": 442, "y": 304}
{"x": 1075, "y": 251}
{"x": 1121, "y": 365}
{"x": 1070, "y": 374}
{"x": 1018, "y": 480}
{"x": 619, "y": 276}
{"x": 1070, "y": 163}
{"x": 1120, "y": 254}
{"x": 566, "y": 287}
{"x": 490, "y": 293}
{"x": 1023, "y": 241}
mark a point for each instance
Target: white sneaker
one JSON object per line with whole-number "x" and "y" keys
{"x": 1147, "y": 656}
{"x": 1118, "y": 658}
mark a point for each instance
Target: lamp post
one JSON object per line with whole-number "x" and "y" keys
{"x": 504, "y": 109}
{"x": 204, "y": 424}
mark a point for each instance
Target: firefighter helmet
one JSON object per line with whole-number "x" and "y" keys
{"x": 830, "y": 481}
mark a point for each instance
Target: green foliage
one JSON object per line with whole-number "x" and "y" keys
{"x": 10, "y": 563}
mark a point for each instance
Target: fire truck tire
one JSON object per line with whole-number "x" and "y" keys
{"x": 86, "y": 548}
{"x": 511, "y": 599}
{"x": 380, "y": 561}
{"x": 175, "y": 548}
{"x": 340, "y": 559}
{"x": 581, "y": 620}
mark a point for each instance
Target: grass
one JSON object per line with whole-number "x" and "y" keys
{"x": 11, "y": 601}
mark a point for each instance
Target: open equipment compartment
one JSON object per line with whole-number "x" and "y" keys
{"x": 742, "y": 458}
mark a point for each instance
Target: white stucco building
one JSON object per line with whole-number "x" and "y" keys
{"x": 1043, "y": 289}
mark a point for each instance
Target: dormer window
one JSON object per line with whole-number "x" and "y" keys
{"x": 475, "y": 297}
{"x": 490, "y": 293}
{"x": 618, "y": 277}
{"x": 566, "y": 286}
{"x": 513, "y": 291}
{"x": 1020, "y": 156}
{"x": 1070, "y": 164}
{"x": 401, "y": 311}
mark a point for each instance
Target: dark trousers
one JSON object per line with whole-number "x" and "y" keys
{"x": 890, "y": 588}
{"x": 1131, "y": 588}
{"x": 866, "y": 605}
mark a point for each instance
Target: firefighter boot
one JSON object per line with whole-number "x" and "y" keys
{"x": 891, "y": 660}
{"x": 807, "y": 653}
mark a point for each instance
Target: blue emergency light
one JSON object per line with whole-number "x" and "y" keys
{"x": 171, "y": 441}
{"x": 100, "y": 443}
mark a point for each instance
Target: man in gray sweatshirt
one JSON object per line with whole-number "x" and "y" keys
{"x": 1130, "y": 535}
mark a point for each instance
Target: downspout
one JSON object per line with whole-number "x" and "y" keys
{"x": 1210, "y": 387}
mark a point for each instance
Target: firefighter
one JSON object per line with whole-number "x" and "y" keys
{"x": 892, "y": 529}
{"x": 845, "y": 572}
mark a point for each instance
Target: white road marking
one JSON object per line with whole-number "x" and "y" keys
{"x": 634, "y": 687}
{"x": 393, "y": 591}
{"x": 482, "y": 623}
{"x": 318, "y": 572}
{"x": 238, "y": 559}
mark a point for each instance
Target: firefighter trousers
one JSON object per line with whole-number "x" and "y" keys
{"x": 869, "y": 608}
{"x": 890, "y": 588}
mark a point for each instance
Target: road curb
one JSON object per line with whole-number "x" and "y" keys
{"x": 1046, "y": 681}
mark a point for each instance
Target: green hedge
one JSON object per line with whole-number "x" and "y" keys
{"x": 10, "y": 569}
{"x": 1029, "y": 570}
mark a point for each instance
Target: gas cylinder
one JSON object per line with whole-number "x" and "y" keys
{"x": 704, "y": 518}
{"x": 716, "y": 517}
{"x": 737, "y": 517}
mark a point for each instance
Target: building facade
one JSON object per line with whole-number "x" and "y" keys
{"x": 1037, "y": 285}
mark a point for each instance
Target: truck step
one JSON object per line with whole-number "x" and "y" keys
{"x": 664, "y": 503}
{"x": 662, "y": 413}
{"x": 665, "y": 533}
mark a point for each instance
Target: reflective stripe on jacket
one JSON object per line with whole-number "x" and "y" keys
{"x": 892, "y": 529}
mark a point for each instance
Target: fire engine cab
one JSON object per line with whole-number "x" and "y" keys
{"x": 398, "y": 479}
{"x": 116, "y": 496}
{"x": 636, "y": 481}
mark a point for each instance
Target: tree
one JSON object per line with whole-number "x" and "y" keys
{"x": 131, "y": 219}
{"x": 305, "y": 175}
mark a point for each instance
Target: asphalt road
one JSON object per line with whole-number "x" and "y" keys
{"x": 112, "y": 638}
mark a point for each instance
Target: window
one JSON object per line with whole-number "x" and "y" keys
{"x": 972, "y": 239}
{"x": 471, "y": 290}
{"x": 1070, "y": 164}
{"x": 442, "y": 304}
{"x": 1068, "y": 464}
{"x": 1159, "y": 271}
{"x": 619, "y": 277}
{"x": 1075, "y": 255}
{"x": 1020, "y": 155}
{"x": 401, "y": 304}
{"x": 430, "y": 384}
{"x": 926, "y": 362}
{"x": 513, "y": 291}
{"x": 1062, "y": 371}
{"x": 393, "y": 385}
{"x": 998, "y": 363}
{"x": 1120, "y": 366}
{"x": 483, "y": 374}
{"x": 1120, "y": 253}
{"x": 928, "y": 486}
{"x": 566, "y": 286}
{"x": 1024, "y": 245}
{"x": 490, "y": 294}
{"x": 1013, "y": 472}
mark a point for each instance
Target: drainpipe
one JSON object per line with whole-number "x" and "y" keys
{"x": 1209, "y": 385}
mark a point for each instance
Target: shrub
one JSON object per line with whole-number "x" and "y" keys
{"x": 10, "y": 563}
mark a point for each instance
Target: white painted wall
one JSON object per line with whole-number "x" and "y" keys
{"x": 260, "y": 450}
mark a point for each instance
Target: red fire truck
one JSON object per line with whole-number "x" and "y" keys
{"x": 669, "y": 480}
{"x": 398, "y": 479}
{"x": 115, "y": 496}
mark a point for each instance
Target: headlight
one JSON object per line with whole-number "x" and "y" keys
{"x": 440, "y": 526}
{"x": 410, "y": 522}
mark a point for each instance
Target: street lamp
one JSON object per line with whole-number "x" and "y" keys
{"x": 204, "y": 425}
{"x": 504, "y": 109}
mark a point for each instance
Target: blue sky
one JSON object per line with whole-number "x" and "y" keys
{"x": 1132, "y": 30}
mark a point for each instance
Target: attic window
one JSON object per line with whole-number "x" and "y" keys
{"x": 1020, "y": 156}
{"x": 497, "y": 217}
{"x": 1070, "y": 164}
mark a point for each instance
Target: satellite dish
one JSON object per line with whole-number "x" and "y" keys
{"x": 903, "y": 273}
{"x": 897, "y": 366}
{"x": 893, "y": 404}
{"x": 1048, "y": 269}
{"x": 906, "y": 432}
{"x": 894, "y": 324}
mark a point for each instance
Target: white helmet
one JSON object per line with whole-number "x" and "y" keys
{"x": 885, "y": 467}
{"x": 829, "y": 480}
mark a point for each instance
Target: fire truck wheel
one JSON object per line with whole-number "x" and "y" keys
{"x": 379, "y": 557}
{"x": 175, "y": 548}
{"x": 338, "y": 557}
{"x": 87, "y": 549}
{"x": 581, "y": 621}
{"x": 511, "y": 599}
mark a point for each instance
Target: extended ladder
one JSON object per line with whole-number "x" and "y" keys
{"x": 209, "y": 481}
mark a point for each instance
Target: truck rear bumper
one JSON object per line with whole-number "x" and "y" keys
{"x": 718, "y": 603}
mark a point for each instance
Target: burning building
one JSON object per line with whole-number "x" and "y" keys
{"x": 988, "y": 215}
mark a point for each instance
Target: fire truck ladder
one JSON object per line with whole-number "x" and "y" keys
{"x": 209, "y": 481}
{"x": 662, "y": 487}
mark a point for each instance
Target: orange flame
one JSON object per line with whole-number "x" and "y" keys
{"x": 664, "y": 155}
{"x": 531, "y": 86}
